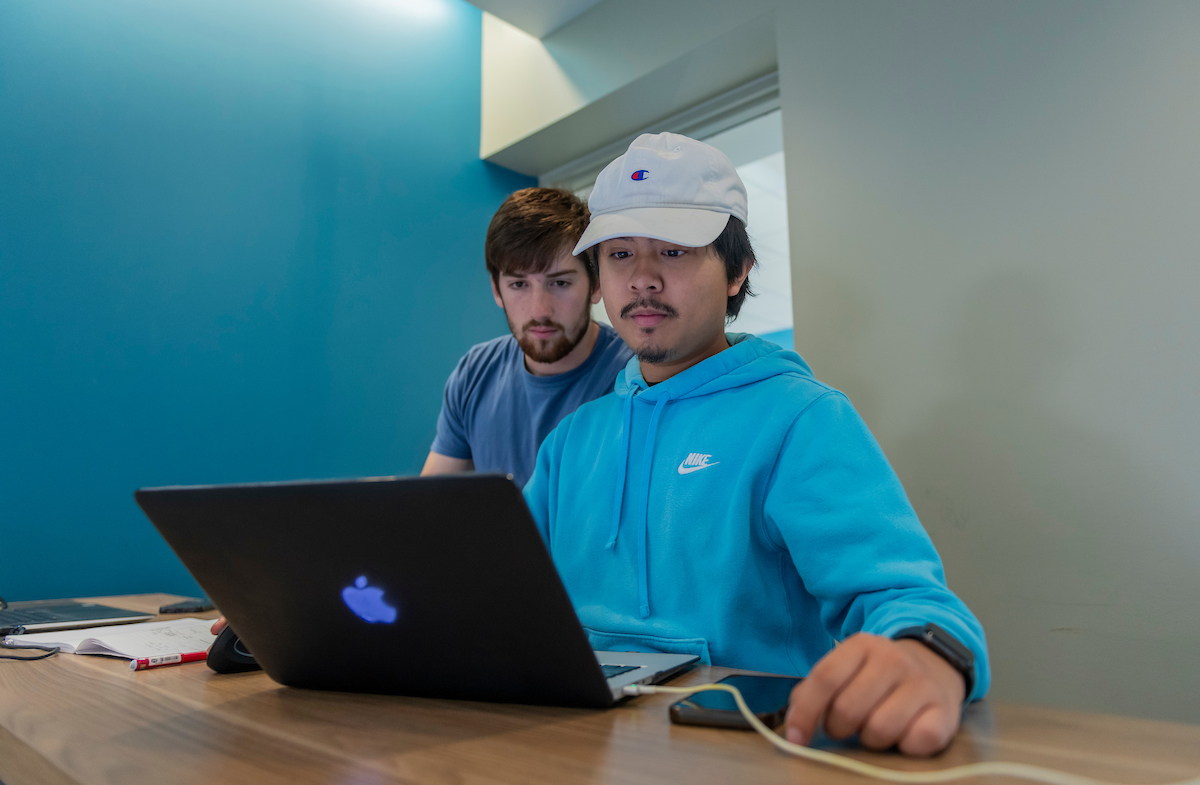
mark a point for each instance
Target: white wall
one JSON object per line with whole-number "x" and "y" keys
{"x": 992, "y": 220}
{"x": 993, "y": 212}
{"x": 523, "y": 87}
{"x": 547, "y": 102}
{"x": 577, "y": 64}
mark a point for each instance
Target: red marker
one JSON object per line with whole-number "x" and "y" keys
{"x": 167, "y": 659}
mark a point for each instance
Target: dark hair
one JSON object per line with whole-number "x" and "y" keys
{"x": 532, "y": 229}
{"x": 732, "y": 246}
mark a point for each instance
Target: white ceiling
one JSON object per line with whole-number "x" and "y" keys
{"x": 539, "y": 18}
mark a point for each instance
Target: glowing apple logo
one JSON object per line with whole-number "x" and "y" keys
{"x": 367, "y": 602}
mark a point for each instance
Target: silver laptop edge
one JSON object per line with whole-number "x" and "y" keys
{"x": 652, "y": 668}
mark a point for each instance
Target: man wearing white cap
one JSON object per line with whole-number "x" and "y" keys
{"x": 726, "y": 503}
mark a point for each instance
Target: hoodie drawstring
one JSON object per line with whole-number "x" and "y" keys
{"x": 622, "y": 461}
{"x": 643, "y": 527}
{"x": 642, "y": 532}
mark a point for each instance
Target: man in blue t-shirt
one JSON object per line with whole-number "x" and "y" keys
{"x": 505, "y": 395}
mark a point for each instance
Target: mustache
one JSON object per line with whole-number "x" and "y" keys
{"x": 543, "y": 323}
{"x": 649, "y": 303}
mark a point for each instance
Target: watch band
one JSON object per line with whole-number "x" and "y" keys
{"x": 948, "y": 647}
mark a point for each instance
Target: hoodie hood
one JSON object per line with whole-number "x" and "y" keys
{"x": 748, "y": 359}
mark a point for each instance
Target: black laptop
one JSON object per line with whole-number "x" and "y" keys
{"x": 434, "y": 586}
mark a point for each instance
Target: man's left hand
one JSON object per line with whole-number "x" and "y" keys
{"x": 889, "y": 692}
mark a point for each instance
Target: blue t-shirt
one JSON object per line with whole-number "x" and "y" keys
{"x": 496, "y": 413}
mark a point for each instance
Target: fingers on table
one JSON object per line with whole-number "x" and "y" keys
{"x": 855, "y": 703}
{"x": 812, "y": 697}
{"x": 930, "y": 732}
{"x": 912, "y": 718}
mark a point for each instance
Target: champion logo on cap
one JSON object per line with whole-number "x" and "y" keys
{"x": 695, "y": 191}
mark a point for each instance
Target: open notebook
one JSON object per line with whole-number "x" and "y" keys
{"x": 132, "y": 641}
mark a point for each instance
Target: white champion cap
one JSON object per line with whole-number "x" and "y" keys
{"x": 667, "y": 187}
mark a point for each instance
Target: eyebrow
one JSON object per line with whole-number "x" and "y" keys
{"x": 520, "y": 276}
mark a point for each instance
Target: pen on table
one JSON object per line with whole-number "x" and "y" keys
{"x": 166, "y": 659}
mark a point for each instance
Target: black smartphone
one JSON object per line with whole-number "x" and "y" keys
{"x": 188, "y": 606}
{"x": 767, "y": 697}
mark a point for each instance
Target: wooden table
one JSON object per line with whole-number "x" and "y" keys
{"x": 81, "y": 719}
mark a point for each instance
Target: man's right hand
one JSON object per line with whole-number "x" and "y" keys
{"x": 219, "y": 625}
{"x": 888, "y": 692}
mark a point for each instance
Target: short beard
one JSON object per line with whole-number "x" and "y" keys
{"x": 537, "y": 350}
{"x": 652, "y": 353}
{"x": 655, "y": 355}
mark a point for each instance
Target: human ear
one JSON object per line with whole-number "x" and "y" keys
{"x": 735, "y": 285}
{"x": 496, "y": 294}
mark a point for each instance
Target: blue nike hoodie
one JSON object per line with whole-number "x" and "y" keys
{"x": 740, "y": 511}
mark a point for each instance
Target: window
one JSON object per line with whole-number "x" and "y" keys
{"x": 756, "y": 149}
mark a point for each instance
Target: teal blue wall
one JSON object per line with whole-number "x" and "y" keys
{"x": 239, "y": 240}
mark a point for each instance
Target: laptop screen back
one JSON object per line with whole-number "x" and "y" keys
{"x": 436, "y": 586}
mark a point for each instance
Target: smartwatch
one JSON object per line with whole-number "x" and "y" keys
{"x": 947, "y": 647}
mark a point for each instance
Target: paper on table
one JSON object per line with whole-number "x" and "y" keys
{"x": 132, "y": 641}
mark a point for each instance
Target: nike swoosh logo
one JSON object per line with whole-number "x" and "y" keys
{"x": 689, "y": 469}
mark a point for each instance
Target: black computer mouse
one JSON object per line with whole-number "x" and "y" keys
{"x": 228, "y": 655}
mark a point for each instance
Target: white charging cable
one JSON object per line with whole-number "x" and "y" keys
{"x": 993, "y": 768}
